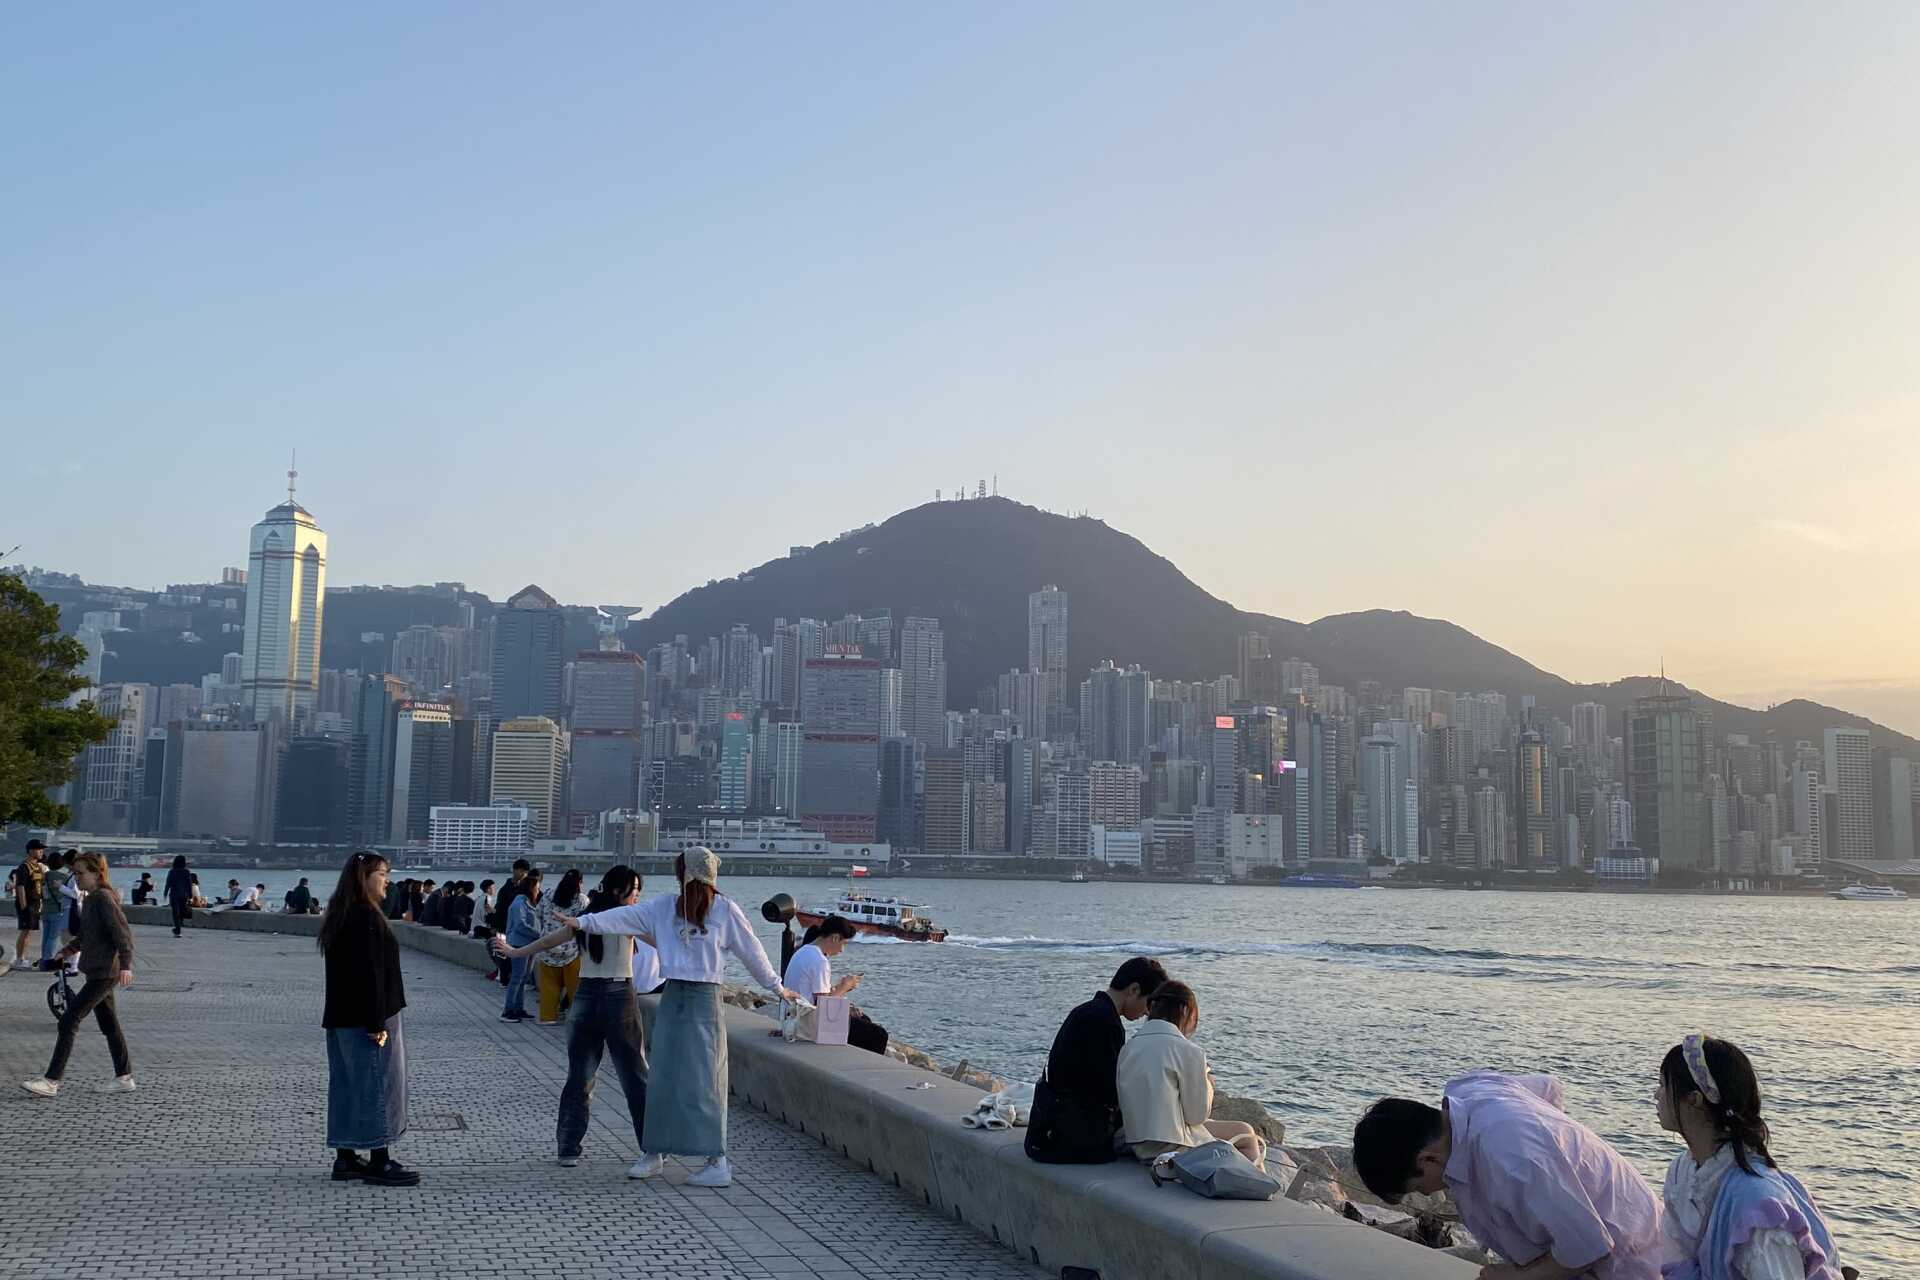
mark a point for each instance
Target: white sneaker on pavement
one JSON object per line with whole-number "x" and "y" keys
{"x": 714, "y": 1174}
{"x": 41, "y": 1088}
{"x": 119, "y": 1084}
{"x": 646, "y": 1166}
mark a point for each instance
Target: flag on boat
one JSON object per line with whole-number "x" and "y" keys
{"x": 859, "y": 871}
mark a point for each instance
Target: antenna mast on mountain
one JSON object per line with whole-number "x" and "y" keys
{"x": 996, "y": 484}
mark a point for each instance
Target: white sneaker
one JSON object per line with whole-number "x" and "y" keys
{"x": 646, "y": 1166}
{"x": 119, "y": 1084}
{"x": 714, "y": 1174}
{"x": 41, "y": 1088}
{"x": 569, "y": 1162}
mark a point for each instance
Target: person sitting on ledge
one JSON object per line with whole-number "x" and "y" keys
{"x": 810, "y": 972}
{"x": 1076, "y": 1105}
{"x": 1166, "y": 1087}
{"x": 1534, "y": 1185}
{"x": 143, "y": 892}
{"x": 299, "y": 899}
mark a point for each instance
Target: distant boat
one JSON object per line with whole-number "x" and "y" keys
{"x": 1217, "y": 879}
{"x": 1078, "y": 877}
{"x": 1310, "y": 881}
{"x": 1869, "y": 893}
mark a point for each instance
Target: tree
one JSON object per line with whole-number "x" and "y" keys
{"x": 39, "y": 734}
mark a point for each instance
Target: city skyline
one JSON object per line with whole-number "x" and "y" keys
{"x": 1617, "y": 313}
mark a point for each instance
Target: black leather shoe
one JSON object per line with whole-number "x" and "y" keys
{"x": 391, "y": 1174}
{"x": 349, "y": 1168}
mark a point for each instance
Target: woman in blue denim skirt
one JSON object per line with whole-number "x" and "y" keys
{"x": 366, "y": 1051}
{"x": 606, "y": 1015}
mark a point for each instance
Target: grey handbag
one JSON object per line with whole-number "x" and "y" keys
{"x": 1217, "y": 1171}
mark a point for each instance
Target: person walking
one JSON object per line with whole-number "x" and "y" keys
{"x": 366, "y": 1046}
{"x": 694, "y": 931}
{"x": 105, "y": 947}
{"x": 558, "y": 971}
{"x": 179, "y": 891}
{"x": 606, "y": 1017}
{"x": 522, "y": 928}
{"x": 27, "y": 882}
{"x": 56, "y": 901}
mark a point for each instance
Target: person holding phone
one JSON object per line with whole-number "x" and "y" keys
{"x": 810, "y": 972}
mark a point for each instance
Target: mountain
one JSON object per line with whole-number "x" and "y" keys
{"x": 972, "y": 563}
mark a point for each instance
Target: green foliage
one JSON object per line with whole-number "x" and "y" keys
{"x": 40, "y": 736}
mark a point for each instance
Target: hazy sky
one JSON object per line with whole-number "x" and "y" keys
{"x": 1589, "y": 327}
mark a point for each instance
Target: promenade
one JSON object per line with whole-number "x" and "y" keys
{"x": 218, "y": 1166}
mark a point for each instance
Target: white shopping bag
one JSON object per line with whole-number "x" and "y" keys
{"x": 830, "y": 1027}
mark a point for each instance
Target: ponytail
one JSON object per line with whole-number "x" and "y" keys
{"x": 813, "y": 932}
{"x": 1736, "y": 1117}
{"x": 696, "y": 899}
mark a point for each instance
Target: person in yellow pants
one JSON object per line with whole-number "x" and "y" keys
{"x": 558, "y": 970}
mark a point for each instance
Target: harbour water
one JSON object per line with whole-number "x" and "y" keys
{"x": 1315, "y": 1002}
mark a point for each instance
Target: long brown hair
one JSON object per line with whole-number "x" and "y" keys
{"x": 96, "y": 863}
{"x": 696, "y": 897}
{"x": 1736, "y": 1117}
{"x": 352, "y": 891}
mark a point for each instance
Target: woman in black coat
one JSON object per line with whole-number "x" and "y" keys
{"x": 179, "y": 891}
{"x": 366, "y": 1051}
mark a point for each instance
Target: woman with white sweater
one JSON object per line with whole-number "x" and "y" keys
{"x": 1166, "y": 1087}
{"x": 693, "y": 932}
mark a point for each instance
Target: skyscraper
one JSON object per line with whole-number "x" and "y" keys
{"x": 422, "y": 768}
{"x": 370, "y": 762}
{"x": 851, "y": 703}
{"x": 1113, "y": 713}
{"x": 286, "y": 594}
{"x": 529, "y": 761}
{"x": 312, "y": 804}
{"x": 923, "y": 681}
{"x": 736, "y": 763}
{"x": 528, "y": 639}
{"x": 946, "y": 804}
{"x": 1666, "y": 782}
{"x": 1850, "y": 774}
{"x": 1590, "y": 736}
{"x": 1047, "y": 647}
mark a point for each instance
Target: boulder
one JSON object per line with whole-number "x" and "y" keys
{"x": 1392, "y": 1221}
{"x": 1309, "y": 1188}
{"x": 1228, "y": 1107}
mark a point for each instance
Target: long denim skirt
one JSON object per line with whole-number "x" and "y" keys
{"x": 687, "y": 1096}
{"x": 366, "y": 1088}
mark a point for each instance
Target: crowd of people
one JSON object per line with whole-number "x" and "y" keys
{"x": 1529, "y": 1180}
{"x": 1531, "y": 1183}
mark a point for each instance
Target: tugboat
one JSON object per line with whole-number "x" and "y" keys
{"x": 881, "y": 917}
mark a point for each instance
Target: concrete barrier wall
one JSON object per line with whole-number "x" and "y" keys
{"x": 1109, "y": 1218}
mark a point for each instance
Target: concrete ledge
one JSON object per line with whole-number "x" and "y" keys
{"x": 1108, "y": 1218}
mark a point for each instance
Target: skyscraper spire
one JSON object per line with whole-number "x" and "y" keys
{"x": 293, "y": 462}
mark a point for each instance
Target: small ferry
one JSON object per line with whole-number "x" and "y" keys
{"x": 1869, "y": 893}
{"x": 881, "y": 917}
{"x": 1308, "y": 880}
{"x": 1078, "y": 877}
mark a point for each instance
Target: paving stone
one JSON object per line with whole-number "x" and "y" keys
{"x": 217, "y": 1166}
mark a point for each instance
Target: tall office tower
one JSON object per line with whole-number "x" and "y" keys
{"x": 113, "y": 766}
{"x": 898, "y": 821}
{"x": 370, "y": 763}
{"x": 1448, "y": 757}
{"x": 783, "y": 764}
{"x": 1666, "y": 782}
{"x": 286, "y": 595}
{"x": 1024, "y": 698}
{"x": 312, "y": 805}
{"x": 1298, "y": 676}
{"x": 422, "y": 768}
{"x": 874, "y": 634}
{"x": 1417, "y": 705}
{"x": 1254, "y": 664}
{"x": 221, "y": 780}
{"x": 1850, "y": 775}
{"x": 529, "y": 762}
{"x": 1533, "y": 802}
{"x": 529, "y": 636}
{"x": 609, "y": 691}
{"x": 1021, "y": 773}
{"x": 852, "y": 703}
{"x": 1453, "y": 826}
{"x": 1047, "y": 649}
{"x": 1903, "y": 789}
{"x": 1113, "y": 713}
{"x": 1809, "y": 812}
{"x": 182, "y": 702}
{"x": 1224, "y": 768}
{"x": 1567, "y": 810}
{"x": 1309, "y": 790}
{"x": 1590, "y": 738}
{"x": 1489, "y": 825}
{"x": 946, "y": 804}
{"x": 1113, "y": 795}
{"x": 987, "y": 821}
{"x": 1383, "y": 783}
{"x": 923, "y": 681}
{"x": 793, "y": 644}
{"x": 740, "y": 667}
{"x": 420, "y": 656}
{"x": 736, "y": 763}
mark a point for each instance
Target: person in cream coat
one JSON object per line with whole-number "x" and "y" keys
{"x": 1166, "y": 1088}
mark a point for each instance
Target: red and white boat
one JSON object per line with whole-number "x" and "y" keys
{"x": 880, "y": 917}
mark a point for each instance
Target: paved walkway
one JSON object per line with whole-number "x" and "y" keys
{"x": 218, "y": 1165}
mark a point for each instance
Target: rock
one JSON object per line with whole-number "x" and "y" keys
{"x": 1392, "y": 1221}
{"x": 1438, "y": 1205}
{"x": 1335, "y": 1164}
{"x": 1473, "y": 1253}
{"x": 1309, "y": 1188}
{"x": 960, "y": 1071}
{"x": 1228, "y": 1107}
{"x": 1281, "y": 1166}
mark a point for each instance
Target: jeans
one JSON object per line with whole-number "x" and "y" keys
{"x": 516, "y": 987}
{"x": 51, "y": 925}
{"x": 95, "y": 998}
{"x": 605, "y": 1017}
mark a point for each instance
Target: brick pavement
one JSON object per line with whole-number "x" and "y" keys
{"x": 218, "y": 1165}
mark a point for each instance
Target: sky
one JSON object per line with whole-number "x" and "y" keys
{"x": 1589, "y": 327}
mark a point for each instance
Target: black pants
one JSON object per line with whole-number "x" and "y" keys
{"x": 605, "y": 1019}
{"x": 179, "y": 908}
{"x": 864, "y": 1033}
{"x": 95, "y": 998}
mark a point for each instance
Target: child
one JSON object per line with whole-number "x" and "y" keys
{"x": 1532, "y": 1184}
{"x": 1731, "y": 1214}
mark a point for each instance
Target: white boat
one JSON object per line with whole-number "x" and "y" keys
{"x": 1869, "y": 893}
{"x": 886, "y": 917}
